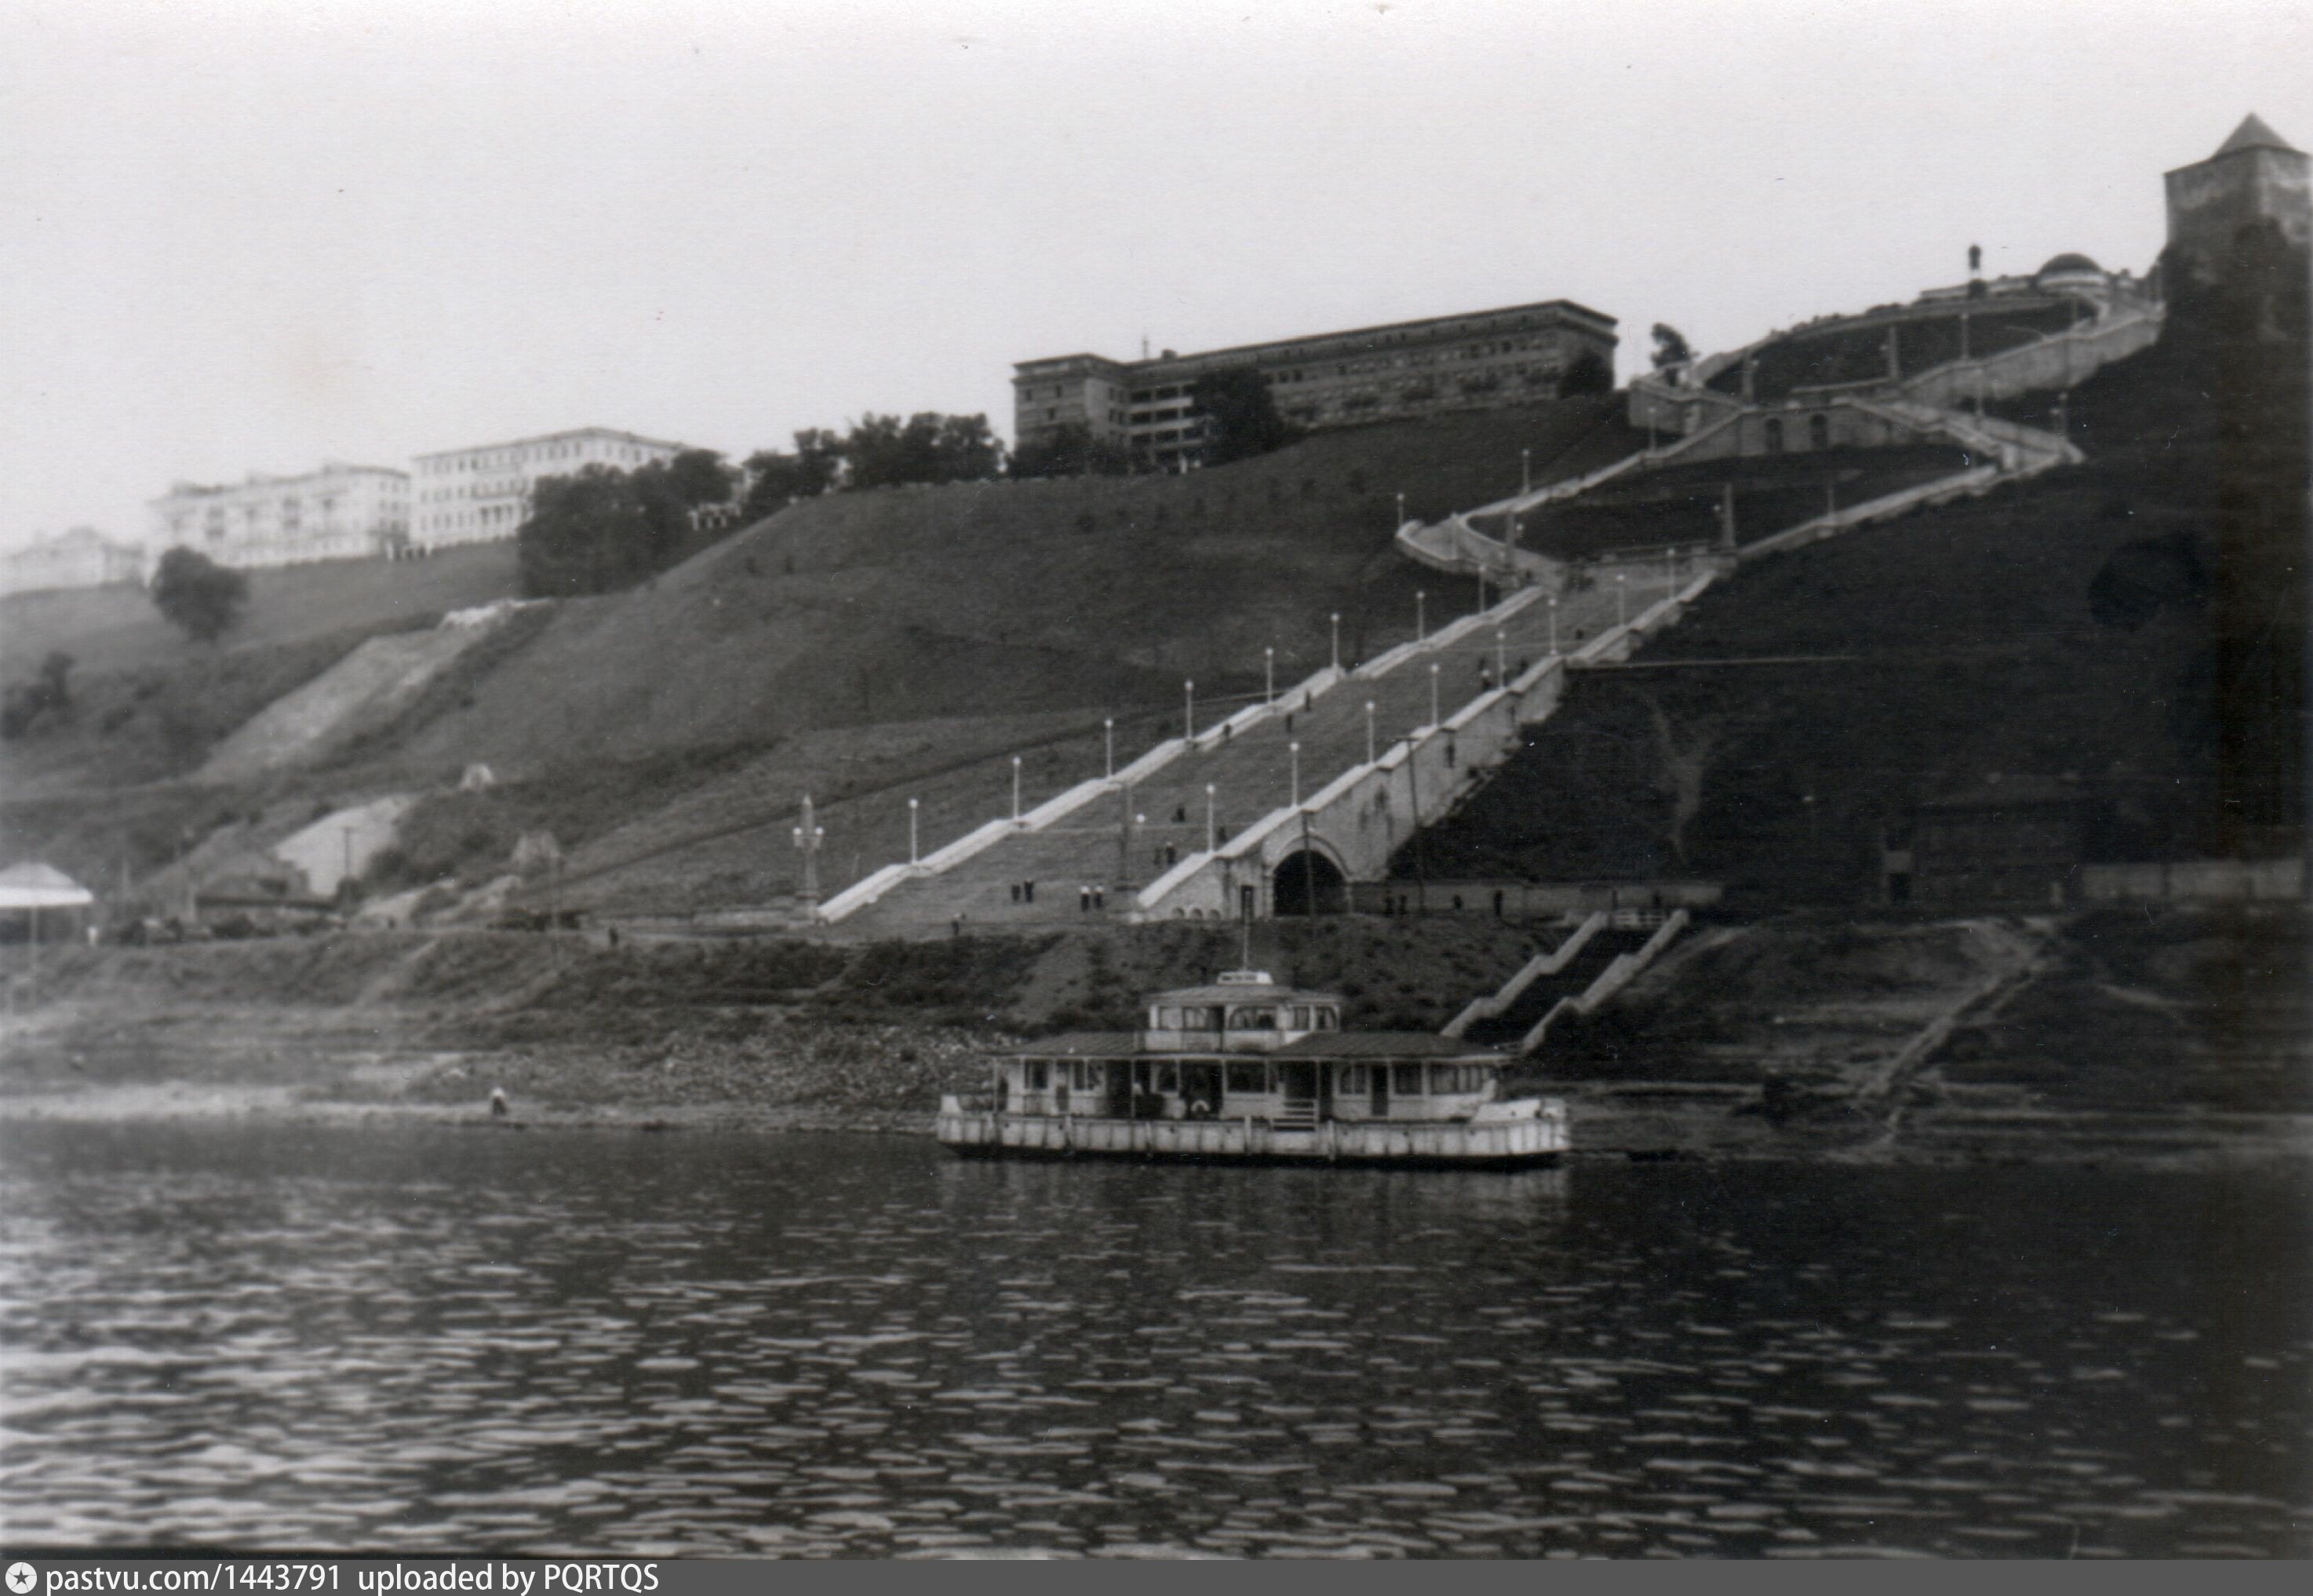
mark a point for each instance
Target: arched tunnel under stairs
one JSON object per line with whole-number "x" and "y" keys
{"x": 1308, "y": 883}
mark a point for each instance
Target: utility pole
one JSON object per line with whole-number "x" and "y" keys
{"x": 1125, "y": 821}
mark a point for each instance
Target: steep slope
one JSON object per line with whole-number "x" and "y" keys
{"x": 1005, "y": 598}
{"x": 111, "y": 629}
{"x": 2135, "y": 622}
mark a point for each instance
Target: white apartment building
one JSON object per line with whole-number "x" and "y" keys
{"x": 473, "y": 496}
{"x": 339, "y": 512}
{"x": 81, "y": 558}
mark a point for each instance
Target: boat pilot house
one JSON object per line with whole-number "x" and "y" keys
{"x": 1247, "y": 1069}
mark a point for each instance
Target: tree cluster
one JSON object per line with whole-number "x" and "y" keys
{"x": 198, "y": 596}
{"x": 1589, "y": 374}
{"x": 1070, "y": 450}
{"x": 47, "y": 696}
{"x": 776, "y": 480}
{"x": 878, "y": 451}
{"x": 1241, "y": 415}
{"x": 604, "y": 529}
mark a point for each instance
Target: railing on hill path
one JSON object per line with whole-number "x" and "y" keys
{"x": 2018, "y": 451}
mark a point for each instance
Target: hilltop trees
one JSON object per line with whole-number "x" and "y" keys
{"x": 1070, "y": 450}
{"x": 882, "y": 452}
{"x": 776, "y": 479}
{"x": 1671, "y": 349}
{"x": 604, "y": 529}
{"x": 1589, "y": 374}
{"x": 198, "y": 596}
{"x": 1243, "y": 415}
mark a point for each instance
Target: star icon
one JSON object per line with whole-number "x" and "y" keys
{"x": 21, "y": 1578}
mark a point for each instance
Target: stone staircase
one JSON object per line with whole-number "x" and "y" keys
{"x": 1510, "y": 1027}
{"x": 1127, "y": 835}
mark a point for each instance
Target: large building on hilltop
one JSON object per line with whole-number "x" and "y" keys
{"x": 81, "y": 558}
{"x": 1478, "y": 361}
{"x": 477, "y": 495}
{"x": 339, "y": 512}
{"x": 2256, "y": 175}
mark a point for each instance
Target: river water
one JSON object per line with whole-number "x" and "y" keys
{"x": 430, "y": 1338}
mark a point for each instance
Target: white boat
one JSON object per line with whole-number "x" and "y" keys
{"x": 1248, "y": 1071}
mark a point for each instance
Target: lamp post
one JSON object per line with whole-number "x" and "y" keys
{"x": 1210, "y": 790}
{"x": 1622, "y": 599}
{"x": 1401, "y": 510}
{"x": 1525, "y": 471}
{"x": 1501, "y": 659}
{"x": 1016, "y": 789}
{"x": 1369, "y": 731}
{"x": 1553, "y": 626}
{"x": 808, "y": 837}
{"x": 1336, "y": 619}
{"x": 1108, "y": 747}
{"x": 1433, "y": 693}
{"x": 1420, "y": 614}
{"x": 1188, "y": 709}
{"x": 912, "y": 805}
{"x": 1267, "y": 676}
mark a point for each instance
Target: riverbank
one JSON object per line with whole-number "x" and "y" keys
{"x": 2167, "y": 1039}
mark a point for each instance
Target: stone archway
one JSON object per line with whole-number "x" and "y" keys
{"x": 1307, "y": 882}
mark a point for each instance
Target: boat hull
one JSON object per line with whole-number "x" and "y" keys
{"x": 1498, "y": 1144}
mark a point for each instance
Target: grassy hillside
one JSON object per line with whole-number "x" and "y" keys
{"x": 979, "y": 618}
{"x": 112, "y": 628}
{"x": 2136, "y": 622}
{"x": 1006, "y": 598}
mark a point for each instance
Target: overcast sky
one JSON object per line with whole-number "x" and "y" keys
{"x": 243, "y": 235}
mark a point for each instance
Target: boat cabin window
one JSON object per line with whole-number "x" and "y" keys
{"x": 1327, "y": 1017}
{"x": 1084, "y": 1076}
{"x": 1353, "y": 1079}
{"x": 1405, "y": 1080}
{"x": 1037, "y": 1078}
{"x": 1168, "y": 1078}
{"x": 1457, "y": 1078}
{"x": 1250, "y": 1019}
{"x": 1247, "y": 1081}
